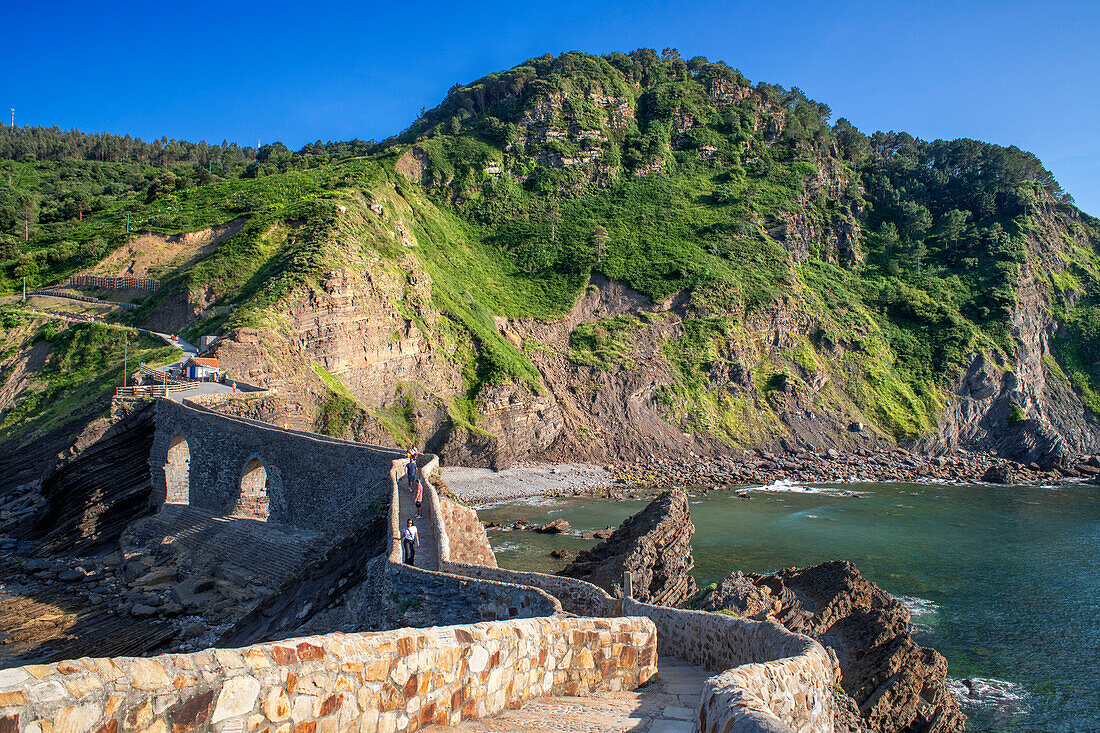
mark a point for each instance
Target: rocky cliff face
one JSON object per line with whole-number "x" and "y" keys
{"x": 654, "y": 546}
{"x": 896, "y": 684}
{"x": 1024, "y": 407}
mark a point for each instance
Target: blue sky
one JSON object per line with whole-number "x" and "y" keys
{"x": 1014, "y": 73}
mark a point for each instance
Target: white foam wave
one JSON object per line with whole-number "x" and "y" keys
{"x": 919, "y": 606}
{"x": 922, "y": 613}
{"x": 790, "y": 486}
{"x": 1001, "y": 697}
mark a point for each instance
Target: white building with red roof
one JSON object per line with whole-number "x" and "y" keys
{"x": 201, "y": 368}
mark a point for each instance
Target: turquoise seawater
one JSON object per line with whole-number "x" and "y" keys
{"x": 1003, "y": 581}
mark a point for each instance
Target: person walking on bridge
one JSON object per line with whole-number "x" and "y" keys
{"x": 412, "y": 471}
{"x": 410, "y": 540}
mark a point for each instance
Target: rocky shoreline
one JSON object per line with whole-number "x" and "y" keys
{"x": 746, "y": 468}
{"x": 760, "y": 467}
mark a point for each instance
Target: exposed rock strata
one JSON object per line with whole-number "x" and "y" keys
{"x": 93, "y": 496}
{"x": 654, "y": 546}
{"x": 897, "y": 684}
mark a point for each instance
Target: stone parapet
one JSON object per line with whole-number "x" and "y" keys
{"x": 771, "y": 679}
{"x": 576, "y": 596}
{"x": 464, "y": 550}
{"x": 467, "y": 542}
{"x": 217, "y": 398}
{"x": 392, "y": 681}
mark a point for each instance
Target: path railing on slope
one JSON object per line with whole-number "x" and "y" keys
{"x": 177, "y": 384}
{"x": 54, "y": 291}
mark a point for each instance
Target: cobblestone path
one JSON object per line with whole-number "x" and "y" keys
{"x": 426, "y": 555}
{"x": 665, "y": 706}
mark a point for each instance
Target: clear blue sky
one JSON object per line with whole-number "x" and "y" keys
{"x": 1014, "y": 73}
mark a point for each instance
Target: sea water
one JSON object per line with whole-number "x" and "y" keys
{"x": 1003, "y": 580}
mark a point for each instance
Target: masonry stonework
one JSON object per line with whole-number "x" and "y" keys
{"x": 469, "y": 543}
{"x": 393, "y": 681}
{"x": 769, "y": 679}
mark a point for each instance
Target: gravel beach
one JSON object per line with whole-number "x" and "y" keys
{"x": 484, "y": 485}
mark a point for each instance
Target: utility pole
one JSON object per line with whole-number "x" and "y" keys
{"x": 125, "y": 354}
{"x": 127, "y": 222}
{"x": 24, "y": 288}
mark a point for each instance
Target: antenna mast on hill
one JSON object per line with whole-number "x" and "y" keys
{"x": 13, "y": 116}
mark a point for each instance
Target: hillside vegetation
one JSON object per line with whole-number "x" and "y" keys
{"x": 808, "y": 267}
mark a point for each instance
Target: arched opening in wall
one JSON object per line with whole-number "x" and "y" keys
{"x": 253, "y": 501}
{"x": 177, "y": 472}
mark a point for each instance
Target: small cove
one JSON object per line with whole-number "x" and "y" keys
{"x": 1002, "y": 580}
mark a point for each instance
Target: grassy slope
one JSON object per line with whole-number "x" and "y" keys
{"x": 84, "y": 366}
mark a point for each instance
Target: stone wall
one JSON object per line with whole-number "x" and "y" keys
{"x": 575, "y": 596}
{"x": 386, "y": 681}
{"x": 307, "y": 480}
{"x": 771, "y": 679}
{"x": 467, "y": 541}
{"x": 217, "y": 398}
{"x": 464, "y": 549}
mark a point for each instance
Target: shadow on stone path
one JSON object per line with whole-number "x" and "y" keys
{"x": 665, "y": 706}
{"x": 427, "y": 557}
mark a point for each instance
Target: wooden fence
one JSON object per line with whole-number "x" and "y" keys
{"x": 56, "y": 292}
{"x": 175, "y": 383}
{"x": 151, "y": 390}
{"x": 122, "y": 282}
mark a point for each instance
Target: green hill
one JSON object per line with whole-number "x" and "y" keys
{"x": 812, "y": 275}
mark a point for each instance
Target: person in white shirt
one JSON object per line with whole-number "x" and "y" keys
{"x": 411, "y": 540}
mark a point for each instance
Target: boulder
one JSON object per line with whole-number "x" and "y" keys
{"x": 739, "y": 595}
{"x": 555, "y": 527}
{"x": 1005, "y": 473}
{"x": 654, "y": 546}
{"x": 140, "y": 610}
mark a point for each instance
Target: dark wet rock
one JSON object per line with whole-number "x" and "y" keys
{"x": 654, "y": 546}
{"x": 140, "y": 610}
{"x": 897, "y": 685}
{"x": 555, "y": 527}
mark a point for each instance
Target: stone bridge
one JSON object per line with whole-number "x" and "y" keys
{"x": 245, "y": 468}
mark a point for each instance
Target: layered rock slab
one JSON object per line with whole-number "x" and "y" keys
{"x": 654, "y": 546}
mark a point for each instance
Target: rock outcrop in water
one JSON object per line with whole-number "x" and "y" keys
{"x": 897, "y": 685}
{"x": 654, "y": 545}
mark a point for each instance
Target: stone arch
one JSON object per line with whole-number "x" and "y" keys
{"x": 177, "y": 471}
{"x": 253, "y": 500}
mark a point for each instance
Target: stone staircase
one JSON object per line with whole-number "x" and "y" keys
{"x": 269, "y": 554}
{"x": 667, "y": 705}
